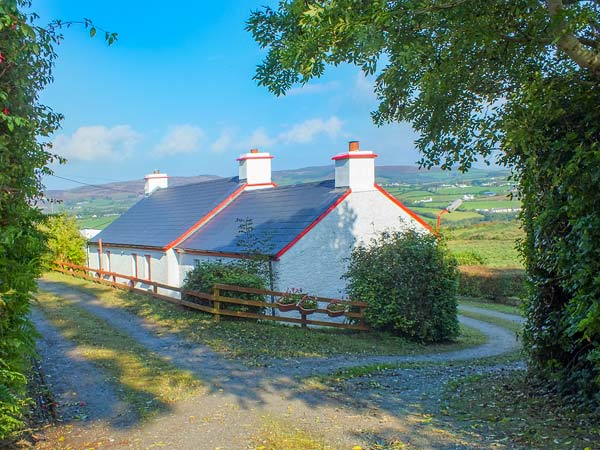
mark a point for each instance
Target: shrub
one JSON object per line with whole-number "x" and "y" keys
{"x": 409, "y": 281}
{"x": 64, "y": 241}
{"x": 206, "y": 274}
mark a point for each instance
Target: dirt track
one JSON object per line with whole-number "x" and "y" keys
{"x": 386, "y": 407}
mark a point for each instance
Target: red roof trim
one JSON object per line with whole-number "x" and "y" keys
{"x": 351, "y": 156}
{"x": 404, "y": 208}
{"x": 243, "y": 158}
{"x": 313, "y": 224}
{"x": 206, "y": 218}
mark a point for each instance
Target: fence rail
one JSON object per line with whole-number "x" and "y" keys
{"x": 217, "y": 303}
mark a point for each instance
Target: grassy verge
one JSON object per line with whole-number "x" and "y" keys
{"x": 499, "y": 307}
{"x": 255, "y": 341}
{"x": 141, "y": 377}
{"x": 503, "y": 405}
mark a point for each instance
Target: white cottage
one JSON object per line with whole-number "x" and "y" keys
{"x": 308, "y": 230}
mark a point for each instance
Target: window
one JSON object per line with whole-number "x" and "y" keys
{"x": 108, "y": 264}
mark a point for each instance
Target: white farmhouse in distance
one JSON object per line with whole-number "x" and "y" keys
{"x": 309, "y": 229}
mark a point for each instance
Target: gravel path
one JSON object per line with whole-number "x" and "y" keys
{"x": 240, "y": 395}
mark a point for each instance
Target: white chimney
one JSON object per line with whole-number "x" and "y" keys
{"x": 255, "y": 169}
{"x": 355, "y": 169}
{"x": 155, "y": 181}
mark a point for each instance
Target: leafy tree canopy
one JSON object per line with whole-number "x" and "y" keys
{"x": 447, "y": 66}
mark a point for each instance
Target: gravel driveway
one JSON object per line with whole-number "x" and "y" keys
{"x": 239, "y": 398}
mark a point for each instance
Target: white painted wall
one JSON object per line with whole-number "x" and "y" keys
{"x": 318, "y": 260}
{"x": 122, "y": 261}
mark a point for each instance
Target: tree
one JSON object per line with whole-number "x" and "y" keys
{"x": 64, "y": 241}
{"x": 26, "y": 60}
{"x": 476, "y": 77}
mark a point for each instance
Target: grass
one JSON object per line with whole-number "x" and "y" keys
{"x": 98, "y": 223}
{"x": 499, "y": 307}
{"x": 143, "y": 379}
{"x": 508, "y": 324}
{"x": 505, "y": 406}
{"x": 257, "y": 341}
{"x": 494, "y": 242}
{"x": 276, "y": 435}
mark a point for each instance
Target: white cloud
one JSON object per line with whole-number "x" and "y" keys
{"x": 313, "y": 88}
{"x": 97, "y": 142}
{"x": 181, "y": 139}
{"x": 307, "y": 130}
{"x": 260, "y": 139}
{"x": 224, "y": 142}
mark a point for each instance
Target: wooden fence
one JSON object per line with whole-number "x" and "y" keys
{"x": 217, "y": 304}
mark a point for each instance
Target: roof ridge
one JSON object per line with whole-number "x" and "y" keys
{"x": 216, "y": 180}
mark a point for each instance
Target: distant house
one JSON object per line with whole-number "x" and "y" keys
{"x": 307, "y": 230}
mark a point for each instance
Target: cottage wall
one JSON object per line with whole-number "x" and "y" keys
{"x": 123, "y": 260}
{"x": 318, "y": 260}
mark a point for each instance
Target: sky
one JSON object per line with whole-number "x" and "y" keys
{"x": 175, "y": 93}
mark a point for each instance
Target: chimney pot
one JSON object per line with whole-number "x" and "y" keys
{"x": 254, "y": 150}
{"x": 353, "y": 146}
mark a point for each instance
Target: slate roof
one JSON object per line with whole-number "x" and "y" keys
{"x": 278, "y": 216}
{"x": 165, "y": 215}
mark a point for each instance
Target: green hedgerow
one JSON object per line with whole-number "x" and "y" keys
{"x": 409, "y": 281}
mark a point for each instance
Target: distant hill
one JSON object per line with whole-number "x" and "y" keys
{"x": 98, "y": 205}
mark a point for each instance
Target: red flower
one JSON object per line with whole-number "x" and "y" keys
{"x": 5, "y": 111}
{"x": 1, "y": 58}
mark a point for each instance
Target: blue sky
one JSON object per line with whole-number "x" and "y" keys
{"x": 176, "y": 93}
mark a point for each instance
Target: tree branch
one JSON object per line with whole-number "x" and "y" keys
{"x": 570, "y": 44}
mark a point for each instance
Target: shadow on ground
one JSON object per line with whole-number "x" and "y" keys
{"x": 401, "y": 405}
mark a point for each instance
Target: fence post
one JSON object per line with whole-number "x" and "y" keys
{"x": 155, "y": 290}
{"x": 216, "y": 303}
{"x": 303, "y": 320}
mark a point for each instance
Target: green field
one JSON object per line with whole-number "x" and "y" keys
{"x": 493, "y": 243}
{"x": 97, "y": 223}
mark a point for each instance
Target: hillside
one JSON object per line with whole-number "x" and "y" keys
{"x": 98, "y": 205}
